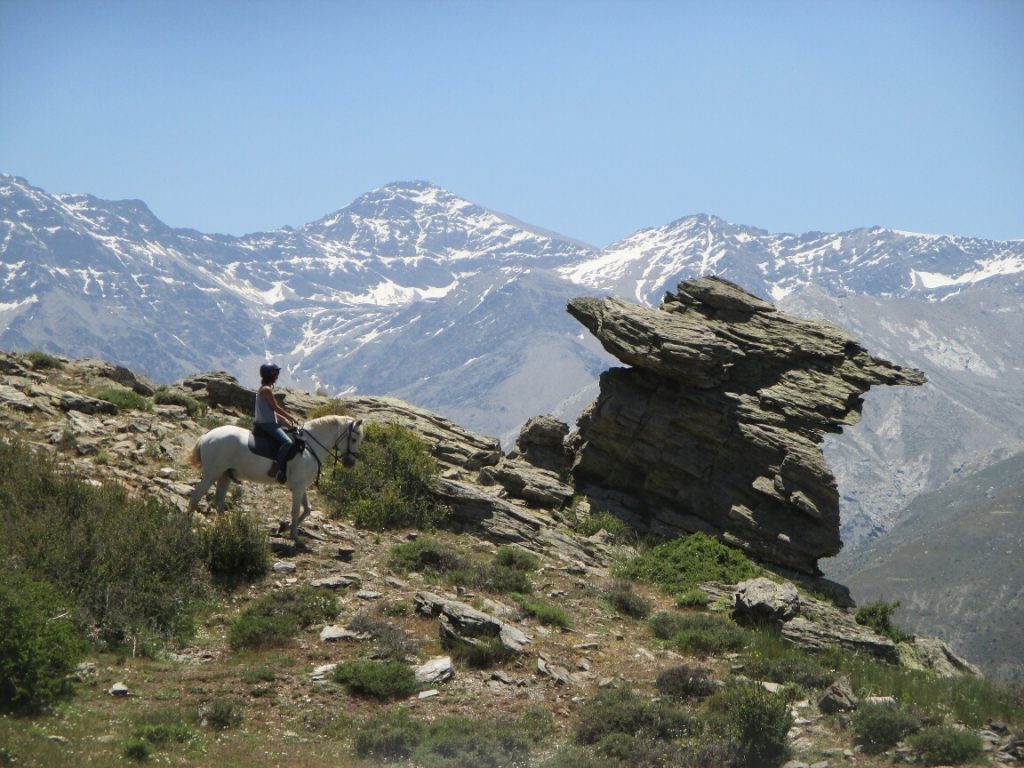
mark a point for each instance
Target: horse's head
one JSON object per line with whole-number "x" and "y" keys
{"x": 350, "y": 441}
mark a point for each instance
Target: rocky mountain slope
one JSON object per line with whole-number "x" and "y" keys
{"x": 974, "y": 526}
{"x": 291, "y": 708}
{"x": 413, "y": 291}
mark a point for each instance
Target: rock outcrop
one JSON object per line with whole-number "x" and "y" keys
{"x": 717, "y": 426}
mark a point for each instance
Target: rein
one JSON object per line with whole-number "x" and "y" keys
{"x": 333, "y": 450}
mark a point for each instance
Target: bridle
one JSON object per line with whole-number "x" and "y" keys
{"x": 348, "y": 459}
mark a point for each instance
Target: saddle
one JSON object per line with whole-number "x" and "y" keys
{"x": 267, "y": 447}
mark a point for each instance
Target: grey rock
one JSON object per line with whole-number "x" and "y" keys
{"x": 282, "y": 566}
{"x": 761, "y": 601}
{"x": 522, "y": 480}
{"x": 73, "y": 401}
{"x": 935, "y": 655}
{"x": 369, "y": 594}
{"x": 541, "y": 442}
{"x": 838, "y": 697}
{"x": 333, "y": 633}
{"x": 334, "y": 582}
{"x": 437, "y": 670}
{"x": 119, "y": 690}
{"x": 464, "y": 622}
{"x": 556, "y": 672}
{"x": 322, "y": 672}
{"x": 219, "y": 389}
{"x": 717, "y": 425}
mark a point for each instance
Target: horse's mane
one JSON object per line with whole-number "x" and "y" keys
{"x": 329, "y": 419}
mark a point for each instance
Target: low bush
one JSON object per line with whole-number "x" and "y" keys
{"x": 681, "y": 564}
{"x": 878, "y": 616}
{"x": 944, "y": 745}
{"x": 478, "y": 652}
{"x": 42, "y": 361}
{"x": 125, "y": 399}
{"x": 878, "y": 727}
{"x": 379, "y": 679}
{"x": 686, "y": 681}
{"x": 772, "y": 658}
{"x": 516, "y": 559}
{"x": 161, "y": 728}
{"x": 506, "y": 572}
{"x": 452, "y": 742}
{"x": 275, "y": 618}
{"x": 137, "y": 749}
{"x": 333, "y": 407}
{"x": 390, "y": 640}
{"x": 703, "y": 634}
{"x": 604, "y": 521}
{"x": 620, "y": 710}
{"x": 235, "y": 548}
{"x": 393, "y": 486}
{"x": 39, "y": 645}
{"x": 757, "y": 720}
{"x": 130, "y": 565}
{"x": 693, "y": 598}
{"x": 546, "y": 613}
{"x": 621, "y": 596}
{"x": 426, "y": 555}
{"x": 222, "y": 714}
{"x": 165, "y": 396}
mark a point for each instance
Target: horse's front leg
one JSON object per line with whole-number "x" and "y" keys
{"x": 222, "y": 490}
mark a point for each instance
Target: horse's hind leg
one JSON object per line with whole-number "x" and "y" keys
{"x": 306, "y": 509}
{"x": 297, "y": 497}
{"x": 222, "y": 490}
{"x": 199, "y": 492}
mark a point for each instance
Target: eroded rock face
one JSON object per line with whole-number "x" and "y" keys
{"x": 718, "y": 424}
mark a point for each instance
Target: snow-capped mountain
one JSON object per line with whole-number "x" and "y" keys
{"x": 413, "y": 291}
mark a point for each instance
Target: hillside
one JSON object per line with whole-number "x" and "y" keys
{"x": 279, "y": 706}
{"x": 953, "y": 562}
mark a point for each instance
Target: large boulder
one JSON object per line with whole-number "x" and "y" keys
{"x": 542, "y": 443}
{"x": 718, "y": 423}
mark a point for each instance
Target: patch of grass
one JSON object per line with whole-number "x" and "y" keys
{"x": 426, "y": 555}
{"x": 393, "y": 486}
{"x": 878, "y": 727}
{"x": 703, "y": 634}
{"x": 693, "y": 598}
{"x": 125, "y": 399}
{"x": 130, "y": 565}
{"x": 390, "y": 640}
{"x": 604, "y": 521}
{"x": 506, "y": 572}
{"x": 235, "y": 548}
{"x": 681, "y": 564}
{"x": 452, "y": 742}
{"x": 39, "y": 644}
{"x": 379, "y": 679}
{"x": 686, "y": 681}
{"x": 275, "y": 618}
{"x": 161, "y": 728}
{"x": 771, "y": 658}
{"x": 478, "y": 652}
{"x": 333, "y": 407}
{"x": 944, "y": 745}
{"x": 546, "y": 613}
{"x": 620, "y": 710}
{"x": 878, "y": 616}
{"x": 222, "y": 714}
{"x": 621, "y": 596}
{"x": 165, "y": 396}
{"x": 41, "y": 361}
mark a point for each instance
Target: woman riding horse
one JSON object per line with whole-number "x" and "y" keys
{"x": 269, "y": 416}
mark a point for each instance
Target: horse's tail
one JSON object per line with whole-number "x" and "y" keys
{"x": 195, "y": 458}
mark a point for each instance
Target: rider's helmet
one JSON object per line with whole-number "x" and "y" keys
{"x": 269, "y": 371}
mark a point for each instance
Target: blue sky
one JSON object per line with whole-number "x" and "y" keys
{"x": 594, "y": 118}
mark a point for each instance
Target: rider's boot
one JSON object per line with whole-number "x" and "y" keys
{"x": 273, "y": 470}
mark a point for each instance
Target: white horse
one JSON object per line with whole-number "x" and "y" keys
{"x": 223, "y": 454}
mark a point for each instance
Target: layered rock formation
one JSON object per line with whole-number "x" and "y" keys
{"x": 718, "y": 424}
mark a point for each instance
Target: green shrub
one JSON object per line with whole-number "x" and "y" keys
{"x": 516, "y": 559}
{"x": 703, "y": 634}
{"x": 499, "y": 578}
{"x": 683, "y": 563}
{"x": 878, "y": 616}
{"x": 130, "y": 565}
{"x": 275, "y": 618}
{"x": 162, "y": 727}
{"x": 379, "y": 679}
{"x": 877, "y": 727}
{"x": 622, "y": 598}
{"x": 222, "y": 714}
{"x": 41, "y": 361}
{"x": 478, "y": 652}
{"x": 137, "y": 749}
{"x": 451, "y": 742}
{"x": 693, "y": 598}
{"x": 603, "y": 521}
{"x": 772, "y": 658}
{"x": 333, "y": 407}
{"x": 39, "y": 646}
{"x": 756, "y": 719}
{"x": 165, "y": 396}
{"x": 235, "y": 548}
{"x": 390, "y": 640}
{"x": 393, "y": 486}
{"x": 546, "y": 613}
{"x": 426, "y": 555}
{"x": 620, "y": 710}
{"x": 943, "y": 745}
{"x": 686, "y": 682}
{"x": 125, "y": 399}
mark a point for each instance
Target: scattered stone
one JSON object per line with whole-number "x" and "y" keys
{"x": 391, "y": 581}
{"x": 428, "y": 694}
{"x": 334, "y": 582}
{"x": 73, "y": 401}
{"x": 369, "y": 594}
{"x": 334, "y": 633}
{"x": 345, "y": 554}
{"x": 437, "y": 670}
{"x": 119, "y": 689}
{"x": 322, "y": 672}
{"x": 556, "y": 672}
{"x": 839, "y": 697}
{"x": 463, "y": 622}
{"x": 283, "y": 567}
